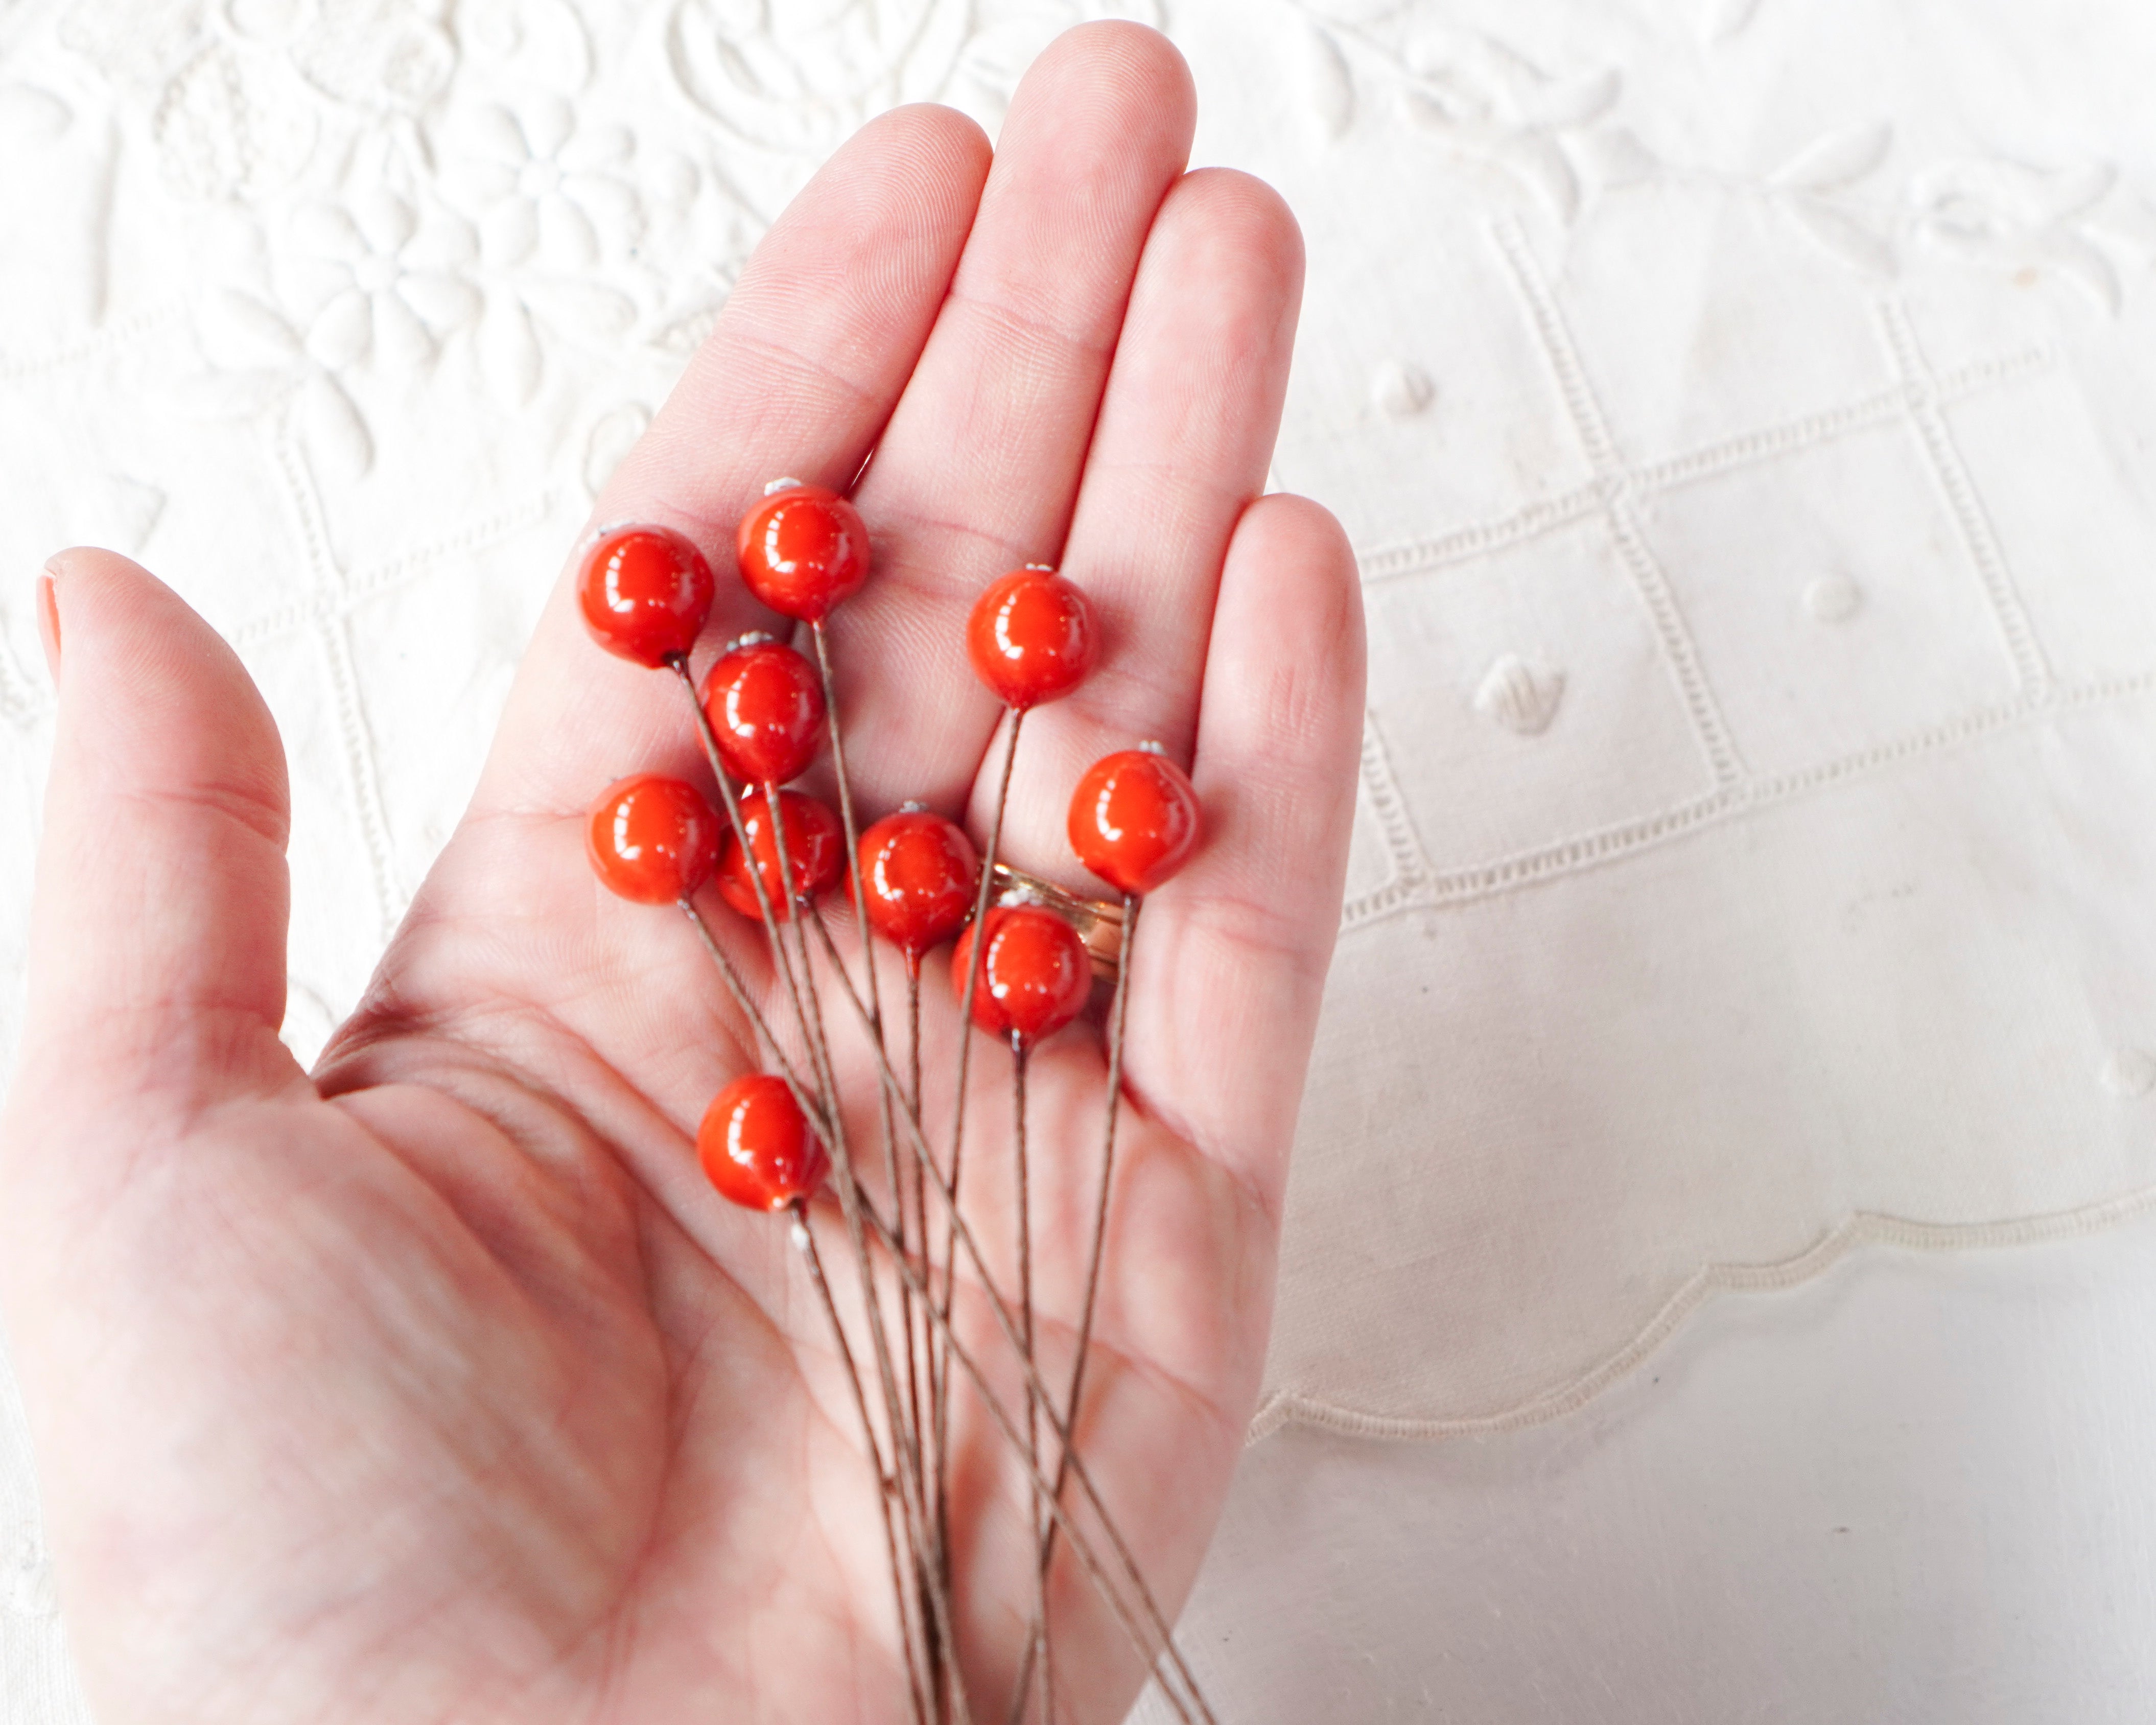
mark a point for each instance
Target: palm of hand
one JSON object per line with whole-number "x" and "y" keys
{"x": 440, "y": 1385}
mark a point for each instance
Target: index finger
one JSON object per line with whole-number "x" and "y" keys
{"x": 806, "y": 363}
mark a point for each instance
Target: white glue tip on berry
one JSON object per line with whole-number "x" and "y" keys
{"x": 915, "y": 806}
{"x": 754, "y": 638}
{"x": 1042, "y": 569}
{"x": 1150, "y": 748}
{"x": 782, "y": 484}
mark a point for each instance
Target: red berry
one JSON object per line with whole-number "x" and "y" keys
{"x": 816, "y": 848}
{"x": 766, "y": 705}
{"x": 652, "y": 839}
{"x": 803, "y": 550}
{"x": 1034, "y": 974}
{"x": 920, "y": 874}
{"x": 1134, "y": 819}
{"x": 756, "y": 1146}
{"x": 645, "y": 592}
{"x": 1031, "y": 637}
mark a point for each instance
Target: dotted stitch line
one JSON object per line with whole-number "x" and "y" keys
{"x": 1649, "y": 578}
{"x": 1750, "y": 448}
{"x": 1550, "y": 862}
{"x": 1403, "y": 845}
{"x": 1469, "y": 543}
{"x": 1773, "y": 443}
{"x": 406, "y": 566}
{"x": 330, "y": 630}
{"x": 1943, "y": 455}
{"x": 134, "y": 327}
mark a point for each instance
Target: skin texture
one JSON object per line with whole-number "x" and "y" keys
{"x": 437, "y": 1384}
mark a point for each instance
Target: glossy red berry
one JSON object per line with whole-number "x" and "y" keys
{"x": 1034, "y": 974}
{"x": 766, "y": 705}
{"x": 756, "y": 1146}
{"x": 1134, "y": 819}
{"x": 920, "y": 873}
{"x": 816, "y": 848}
{"x": 652, "y": 839}
{"x": 803, "y": 550}
{"x": 645, "y": 592}
{"x": 1031, "y": 637}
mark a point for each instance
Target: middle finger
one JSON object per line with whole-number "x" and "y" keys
{"x": 978, "y": 469}
{"x": 1185, "y": 435}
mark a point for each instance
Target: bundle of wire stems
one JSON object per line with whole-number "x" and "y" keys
{"x": 906, "y": 1254}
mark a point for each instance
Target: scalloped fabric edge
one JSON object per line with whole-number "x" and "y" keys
{"x": 1287, "y": 1407}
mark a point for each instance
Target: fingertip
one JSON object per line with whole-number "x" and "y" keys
{"x": 1128, "y": 72}
{"x": 1291, "y": 576}
{"x": 896, "y": 199}
{"x": 149, "y": 679}
{"x": 1244, "y": 218}
{"x": 1114, "y": 48}
{"x": 916, "y": 169}
{"x": 82, "y": 566}
{"x": 1295, "y": 519}
{"x": 817, "y": 337}
{"x": 937, "y": 137}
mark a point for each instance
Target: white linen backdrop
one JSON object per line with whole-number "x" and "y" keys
{"x": 1744, "y": 411}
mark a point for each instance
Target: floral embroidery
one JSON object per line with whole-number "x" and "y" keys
{"x": 384, "y": 292}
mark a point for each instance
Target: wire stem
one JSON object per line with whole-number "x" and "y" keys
{"x": 739, "y": 990}
{"x": 1036, "y": 1640}
{"x": 852, "y": 832}
{"x": 1041, "y": 1520}
{"x": 939, "y": 1369}
{"x": 807, "y": 1242}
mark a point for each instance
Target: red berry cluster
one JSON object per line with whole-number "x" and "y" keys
{"x": 646, "y": 593}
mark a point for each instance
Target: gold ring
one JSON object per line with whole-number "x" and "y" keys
{"x": 1099, "y": 921}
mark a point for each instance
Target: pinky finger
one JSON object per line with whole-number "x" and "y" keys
{"x": 1231, "y": 964}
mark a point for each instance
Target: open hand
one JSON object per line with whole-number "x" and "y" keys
{"x": 439, "y": 1384}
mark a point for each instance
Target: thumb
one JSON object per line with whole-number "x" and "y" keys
{"x": 157, "y": 927}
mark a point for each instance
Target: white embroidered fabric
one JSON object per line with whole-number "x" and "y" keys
{"x": 1744, "y": 412}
